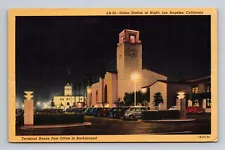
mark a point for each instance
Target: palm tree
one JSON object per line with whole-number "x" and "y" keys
{"x": 157, "y": 99}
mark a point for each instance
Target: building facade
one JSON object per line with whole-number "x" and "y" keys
{"x": 197, "y": 90}
{"x": 128, "y": 77}
{"x": 201, "y": 91}
{"x": 68, "y": 99}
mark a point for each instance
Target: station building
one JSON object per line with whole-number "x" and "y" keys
{"x": 129, "y": 76}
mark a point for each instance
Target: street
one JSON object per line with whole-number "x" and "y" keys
{"x": 108, "y": 126}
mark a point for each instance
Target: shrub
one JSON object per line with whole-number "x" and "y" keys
{"x": 158, "y": 115}
{"x": 41, "y": 119}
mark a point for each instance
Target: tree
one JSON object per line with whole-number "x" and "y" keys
{"x": 157, "y": 99}
{"x": 52, "y": 104}
{"x": 129, "y": 99}
{"x": 142, "y": 98}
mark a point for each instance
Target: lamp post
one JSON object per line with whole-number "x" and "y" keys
{"x": 134, "y": 77}
{"x": 181, "y": 104}
{"x": 181, "y": 94}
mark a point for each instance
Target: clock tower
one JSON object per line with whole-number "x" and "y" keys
{"x": 129, "y": 61}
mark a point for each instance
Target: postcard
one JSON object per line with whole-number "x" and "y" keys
{"x": 112, "y": 75}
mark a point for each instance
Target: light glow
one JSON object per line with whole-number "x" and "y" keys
{"x": 181, "y": 94}
{"x": 143, "y": 90}
{"x": 38, "y": 103}
{"x": 135, "y": 76}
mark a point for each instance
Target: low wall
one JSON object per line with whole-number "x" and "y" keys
{"x": 159, "y": 115}
{"x": 50, "y": 119}
{"x": 43, "y": 119}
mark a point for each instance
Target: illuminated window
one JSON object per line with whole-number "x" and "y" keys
{"x": 194, "y": 89}
{"x": 208, "y": 103}
{"x": 132, "y": 39}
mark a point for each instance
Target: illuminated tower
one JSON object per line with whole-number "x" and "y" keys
{"x": 68, "y": 90}
{"x": 129, "y": 60}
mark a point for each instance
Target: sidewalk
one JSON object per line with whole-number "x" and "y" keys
{"x": 56, "y": 126}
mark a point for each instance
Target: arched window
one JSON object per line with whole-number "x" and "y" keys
{"x": 96, "y": 95}
{"x": 132, "y": 39}
{"x": 106, "y": 94}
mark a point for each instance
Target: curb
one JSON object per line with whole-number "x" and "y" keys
{"x": 177, "y": 120}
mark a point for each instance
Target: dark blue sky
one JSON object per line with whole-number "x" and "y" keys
{"x": 51, "y": 51}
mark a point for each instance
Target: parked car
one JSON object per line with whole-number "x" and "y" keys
{"x": 96, "y": 111}
{"x": 135, "y": 112}
{"x": 102, "y": 112}
{"x": 195, "y": 109}
{"x": 112, "y": 112}
{"x": 19, "y": 117}
{"x": 173, "y": 108}
{"x": 119, "y": 113}
{"x": 92, "y": 110}
{"x": 86, "y": 111}
{"x": 108, "y": 112}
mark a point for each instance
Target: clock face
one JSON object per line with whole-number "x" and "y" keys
{"x": 133, "y": 53}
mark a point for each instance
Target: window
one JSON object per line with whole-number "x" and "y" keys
{"x": 132, "y": 109}
{"x": 138, "y": 109}
{"x": 96, "y": 95}
{"x": 208, "y": 103}
{"x": 121, "y": 39}
{"x": 194, "y": 89}
{"x": 132, "y": 39}
{"x": 106, "y": 94}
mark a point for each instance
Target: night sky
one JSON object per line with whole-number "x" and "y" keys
{"x": 51, "y": 51}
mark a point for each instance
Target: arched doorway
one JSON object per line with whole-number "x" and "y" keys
{"x": 105, "y": 94}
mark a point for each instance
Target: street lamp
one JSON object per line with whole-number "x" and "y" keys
{"x": 135, "y": 77}
{"x": 181, "y": 95}
{"x": 38, "y": 103}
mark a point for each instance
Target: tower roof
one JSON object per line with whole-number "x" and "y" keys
{"x": 129, "y": 36}
{"x": 128, "y": 30}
